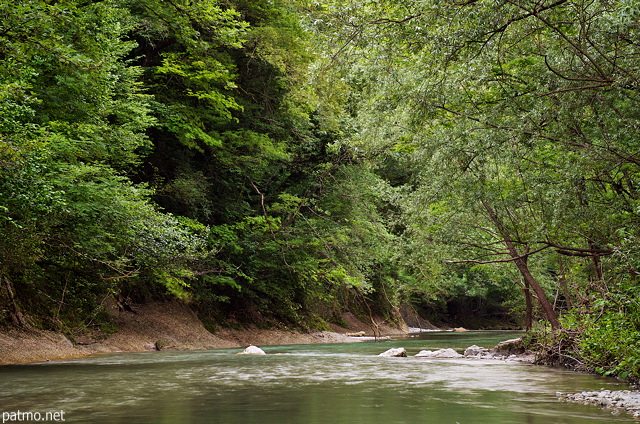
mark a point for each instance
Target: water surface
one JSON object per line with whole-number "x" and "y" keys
{"x": 336, "y": 383}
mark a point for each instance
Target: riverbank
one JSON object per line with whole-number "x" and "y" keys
{"x": 164, "y": 326}
{"x": 174, "y": 326}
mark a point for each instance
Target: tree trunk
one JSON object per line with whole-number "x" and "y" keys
{"x": 521, "y": 262}
{"x": 597, "y": 265}
{"x": 547, "y": 309}
{"x": 564, "y": 285}
{"x": 528, "y": 317}
{"x": 15, "y": 312}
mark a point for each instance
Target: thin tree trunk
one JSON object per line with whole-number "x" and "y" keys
{"x": 564, "y": 285}
{"x": 597, "y": 265}
{"x": 528, "y": 317}
{"x": 595, "y": 258}
{"x": 521, "y": 262}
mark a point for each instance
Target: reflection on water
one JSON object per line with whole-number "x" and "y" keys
{"x": 341, "y": 383}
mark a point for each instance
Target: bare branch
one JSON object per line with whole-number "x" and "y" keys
{"x": 495, "y": 261}
{"x": 394, "y": 21}
{"x": 498, "y": 127}
{"x": 511, "y": 21}
{"x": 566, "y": 250}
{"x": 125, "y": 275}
{"x": 564, "y": 90}
{"x": 559, "y": 74}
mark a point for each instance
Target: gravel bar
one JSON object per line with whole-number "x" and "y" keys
{"x": 617, "y": 400}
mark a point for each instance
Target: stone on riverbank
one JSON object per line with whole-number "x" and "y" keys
{"x": 252, "y": 350}
{"x": 398, "y": 352}
{"x": 509, "y": 347}
{"x": 440, "y": 353}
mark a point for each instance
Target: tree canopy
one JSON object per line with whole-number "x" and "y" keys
{"x": 518, "y": 121}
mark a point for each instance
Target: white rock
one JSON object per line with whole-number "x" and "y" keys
{"x": 252, "y": 350}
{"x": 440, "y": 353}
{"x": 475, "y": 350}
{"x": 395, "y": 352}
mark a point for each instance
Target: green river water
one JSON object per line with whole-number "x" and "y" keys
{"x": 332, "y": 383}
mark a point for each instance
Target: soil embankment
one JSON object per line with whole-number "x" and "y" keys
{"x": 164, "y": 326}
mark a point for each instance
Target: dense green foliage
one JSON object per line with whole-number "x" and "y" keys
{"x": 153, "y": 149}
{"x": 517, "y": 125}
{"x": 285, "y": 161}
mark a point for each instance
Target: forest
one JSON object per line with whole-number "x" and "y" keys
{"x": 283, "y": 161}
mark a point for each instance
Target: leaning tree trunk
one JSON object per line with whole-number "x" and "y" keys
{"x": 521, "y": 263}
{"x": 15, "y": 313}
{"x": 547, "y": 309}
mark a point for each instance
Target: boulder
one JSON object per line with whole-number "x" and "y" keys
{"x": 509, "y": 347}
{"x": 395, "y": 352}
{"x": 252, "y": 350}
{"x": 460, "y": 330}
{"x": 440, "y": 353}
{"x": 358, "y": 334}
{"x": 476, "y": 351}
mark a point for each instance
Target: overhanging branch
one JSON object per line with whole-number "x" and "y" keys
{"x": 495, "y": 261}
{"x": 579, "y": 251}
{"x": 562, "y": 250}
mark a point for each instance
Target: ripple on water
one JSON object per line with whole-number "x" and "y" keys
{"x": 300, "y": 384}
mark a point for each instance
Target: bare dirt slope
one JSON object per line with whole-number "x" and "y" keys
{"x": 169, "y": 325}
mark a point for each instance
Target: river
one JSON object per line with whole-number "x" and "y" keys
{"x": 310, "y": 384}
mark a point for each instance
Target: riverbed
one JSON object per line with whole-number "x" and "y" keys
{"x": 332, "y": 383}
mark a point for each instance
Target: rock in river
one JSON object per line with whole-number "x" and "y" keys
{"x": 440, "y": 353}
{"x": 395, "y": 352}
{"x": 475, "y": 350}
{"x": 252, "y": 350}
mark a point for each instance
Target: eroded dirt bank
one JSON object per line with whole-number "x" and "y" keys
{"x": 165, "y": 326}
